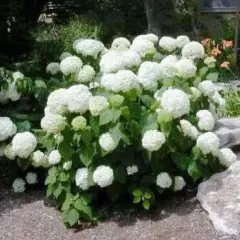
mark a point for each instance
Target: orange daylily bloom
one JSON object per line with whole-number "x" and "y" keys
{"x": 225, "y": 64}
{"x": 215, "y": 52}
{"x": 227, "y": 44}
{"x": 206, "y": 41}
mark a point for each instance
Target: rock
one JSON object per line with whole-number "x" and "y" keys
{"x": 220, "y": 197}
{"x": 228, "y": 131}
{"x": 234, "y": 85}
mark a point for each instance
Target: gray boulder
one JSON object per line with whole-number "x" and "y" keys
{"x": 220, "y": 197}
{"x": 228, "y": 131}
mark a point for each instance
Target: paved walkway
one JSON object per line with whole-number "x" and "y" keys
{"x": 28, "y": 217}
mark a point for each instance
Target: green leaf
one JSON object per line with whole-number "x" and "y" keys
{"x": 67, "y": 203}
{"x": 120, "y": 174}
{"x": 94, "y": 123}
{"x": 116, "y": 113}
{"x": 24, "y": 126}
{"x": 65, "y": 150}
{"x": 147, "y": 195}
{"x": 136, "y": 200}
{"x": 87, "y": 154}
{"x": 51, "y": 179}
{"x": 116, "y": 133}
{"x": 166, "y": 128}
{"x": 149, "y": 122}
{"x": 146, "y": 204}
{"x": 49, "y": 191}
{"x": 181, "y": 160}
{"x": 86, "y": 210}
{"x": 137, "y": 193}
{"x": 87, "y": 136}
{"x": 58, "y": 191}
{"x": 105, "y": 117}
{"x": 194, "y": 171}
{"x": 203, "y": 71}
{"x": 63, "y": 177}
{"x": 212, "y": 76}
{"x": 196, "y": 152}
{"x": 147, "y": 100}
{"x": 72, "y": 217}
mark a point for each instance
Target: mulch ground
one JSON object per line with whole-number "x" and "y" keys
{"x": 30, "y": 217}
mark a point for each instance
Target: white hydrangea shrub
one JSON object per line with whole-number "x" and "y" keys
{"x": 126, "y": 110}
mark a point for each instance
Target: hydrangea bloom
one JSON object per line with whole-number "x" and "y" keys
{"x": 116, "y": 100}
{"x": 195, "y": 94}
{"x": 122, "y": 81}
{"x": 103, "y": 176}
{"x": 188, "y": 129}
{"x": 193, "y": 50}
{"x": 175, "y": 102}
{"x": 208, "y": 143}
{"x": 64, "y": 55}
{"x": 206, "y": 120}
{"x": 179, "y": 183}
{"x": 210, "y": 62}
{"x": 143, "y": 47}
{"x": 148, "y": 75}
{"x": 186, "y": 68}
{"x": 7, "y": 128}
{"x": 153, "y": 140}
{"x": 207, "y": 88}
{"x": 71, "y": 64}
{"x": 120, "y": 44}
{"x": 182, "y": 41}
{"x": 168, "y": 66}
{"x": 37, "y": 158}
{"x": 17, "y": 76}
{"x": 150, "y": 37}
{"x": 19, "y": 185}
{"x": 53, "y": 123}
{"x": 67, "y": 165}
{"x": 86, "y": 74}
{"x": 219, "y": 100}
{"x": 107, "y": 143}
{"x": 79, "y": 123}
{"x": 164, "y": 180}
{"x": 97, "y": 105}
{"x": 12, "y": 92}
{"x": 53, "y": 68}
{"x": 57, "y": 101}
{"x": 114, "y": 61}
{"x": 54, "y": 157}
{"x": 227, "y": 157}
{"x": 23, "y": 144}
{"x": 78, "y": 98}
{"x": 82, "y": 178}
{"x": 169, "y": 44}
{"x": 89, "y": 47}
{"x": 132, "y": 169}
{"x": 9, "y": 153}
{"x": 31, "y": 178}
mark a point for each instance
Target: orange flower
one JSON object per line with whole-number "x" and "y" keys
{"x": 227, "y": 44}
{"x": 206, "y": 41}
{"x": 225, "y": 65}
{"x": 215, "y": 52}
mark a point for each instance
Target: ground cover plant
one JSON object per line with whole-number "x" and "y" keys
{"x": 132, "y": 121}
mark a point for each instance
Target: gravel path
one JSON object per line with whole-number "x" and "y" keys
{"x": 28, "y": 217}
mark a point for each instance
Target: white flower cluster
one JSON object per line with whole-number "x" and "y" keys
{"x": 179, "y": 183}
{"x": 54, "y": 157}
{"x": 86, "y": 74}
{"x": 107, "y": 143}
{"x": 208, "y": 143}
{"x": 39, "y": 159}
{"x": 176, "y": 102}
{"x": 185, "y": 68}
{"x": 210, "y": 62}
{"x": 122, "y": 81}
{"x": 227, "y": 157}
{"x": 31, "y": 178}
{"x": 206, "y": 120}
{"x": 143, "y": 47}
{"x": 103, "y": 176}
{"x": 164, "y": 180}
{"x": 7, "y": 128}
{"x": 149, "y": 37}
{"x": 153, "y": 140}
{"x": 70, "y": 65}
{"x": 113, "y": 61}
{"x": 82, "y": 178}
{"x": 169, "y": 44}
{"x": 132, "y": 169}
{"x": 89, "y": 47}
{"x": 97, "y": 105}
{"x": 23, "y": 144}
{"x": 53, "y": 68}
{"x": 193, "y": 50}
{"x": 120, "y": 44}
{"x": 189, "y": 130}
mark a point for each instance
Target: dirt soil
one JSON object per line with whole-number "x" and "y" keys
{"x": 30, "y": 217}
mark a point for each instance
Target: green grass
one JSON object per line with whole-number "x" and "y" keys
{"x": 232, "y": 103}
